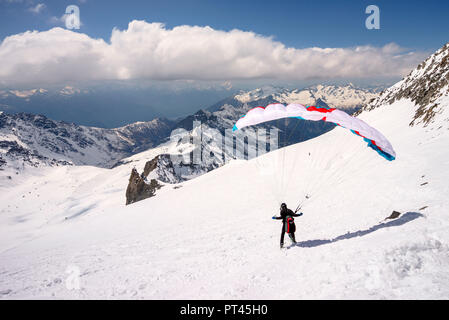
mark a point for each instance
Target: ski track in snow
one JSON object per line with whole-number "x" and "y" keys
{"x": 214, "y": 237}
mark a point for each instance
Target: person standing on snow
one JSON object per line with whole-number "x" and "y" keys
{"x": 288, "y": 223}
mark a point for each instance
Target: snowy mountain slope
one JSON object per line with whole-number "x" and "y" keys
{"x": 217, "y": 240}
{"x": 34, "y": 140}
{"x": 226, "y": 246}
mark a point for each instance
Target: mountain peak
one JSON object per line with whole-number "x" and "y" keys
{"x": 424, "y": 86}
{"x": 257, "y": 94}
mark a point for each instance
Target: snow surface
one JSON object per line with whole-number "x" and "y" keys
{"x": 213, "y": 238}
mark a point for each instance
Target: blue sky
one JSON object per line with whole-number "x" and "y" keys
{"x": 299, "y": 24}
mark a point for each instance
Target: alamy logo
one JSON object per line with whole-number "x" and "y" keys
{"x": 206, "y": 146}
{"x": 73, "y": 280}
{"x": 373, "y": 278}
{"x": 72, "y": 17}
{"x": 373, "y": 20}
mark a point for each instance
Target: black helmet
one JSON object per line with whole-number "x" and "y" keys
{"x": 283, "y": 206}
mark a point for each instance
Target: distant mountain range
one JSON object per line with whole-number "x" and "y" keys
{"x": 108, "y": 106}
{"x": 35, "y": 140}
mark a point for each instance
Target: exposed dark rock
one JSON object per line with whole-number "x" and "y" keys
{"x": 138, "y": 189}
{"x": 3, "y": 120}
{"x": 394, "y": 215}
{"x": 144, "y": 185}
{"x": 150, "y": 166}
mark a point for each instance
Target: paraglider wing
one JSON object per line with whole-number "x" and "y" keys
{"x": 373, "y": 137}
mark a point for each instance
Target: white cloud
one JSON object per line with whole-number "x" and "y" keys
{"x": 37, "y": 8}
{"x": 151, "y": 51}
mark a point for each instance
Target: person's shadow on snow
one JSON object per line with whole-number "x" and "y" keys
{"x": 405, "y": 218}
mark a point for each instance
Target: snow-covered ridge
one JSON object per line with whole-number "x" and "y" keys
{"x": 34, "y": 140}
{"x": 24, "y": 94}
{"x": 28, "y": 93}
{"x": 69, "y": 90}
{"x": 343, "y": 97}
{"x": 257, "y": 94}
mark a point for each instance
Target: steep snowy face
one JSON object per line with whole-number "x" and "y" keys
{"x": 34, "y": 140}
{"x": 427, "y": 86}
{"x": 144, "y": 135}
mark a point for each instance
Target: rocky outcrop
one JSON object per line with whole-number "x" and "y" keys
{"x": 156, "y": 171}
{"x": 13, "y": 151}
{"x": 150, "y": 166}
{"x": 138, "y": 188}
{"x": 2, "y": 162}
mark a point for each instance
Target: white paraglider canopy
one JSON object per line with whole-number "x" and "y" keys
{"x": 373, "y": 137}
